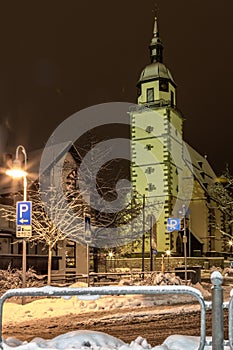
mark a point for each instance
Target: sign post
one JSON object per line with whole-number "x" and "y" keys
{"x": 185, "y": 242}
{"x": 87, "y": 230}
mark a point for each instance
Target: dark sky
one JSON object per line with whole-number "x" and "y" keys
{"x": 58, "y": 57}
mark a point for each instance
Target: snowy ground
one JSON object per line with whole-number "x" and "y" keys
{"x": 86, "y": 340}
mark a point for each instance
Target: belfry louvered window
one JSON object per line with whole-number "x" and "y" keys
{"x": 150, "y": 95}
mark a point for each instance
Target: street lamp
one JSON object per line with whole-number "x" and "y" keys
{"x": 18, "y": 172}
{"x": 230, "y": 242}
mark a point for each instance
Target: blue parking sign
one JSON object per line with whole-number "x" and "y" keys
{"x": 24, "y": 213}
{"x": 173, "y": 224}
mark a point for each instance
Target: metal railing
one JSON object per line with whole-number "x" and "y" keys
{"x": 230, "y": 320}
{"x": 111, "y": 290}
{"x": 217, "y": 305}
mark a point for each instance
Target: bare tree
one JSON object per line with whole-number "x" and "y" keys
{"x": 60, "y": 216}
{"x": 53, "y": 220}
{"x": 221, "y": 192}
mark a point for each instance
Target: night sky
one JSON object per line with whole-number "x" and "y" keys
{"x": 58, "y": 57}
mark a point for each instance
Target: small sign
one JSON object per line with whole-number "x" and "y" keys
{"x": 24, "y": 231}
{"x": 173, "y": 224}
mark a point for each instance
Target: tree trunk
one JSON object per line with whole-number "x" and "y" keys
{"x": 96, "y": 259}
{"x": 49, "y": 265}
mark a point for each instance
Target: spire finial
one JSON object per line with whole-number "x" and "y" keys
{"x": 156, "y": 46}
{"x": 156, "y": 30}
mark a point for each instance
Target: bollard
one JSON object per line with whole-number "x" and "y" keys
{"x": 217, "y": 311}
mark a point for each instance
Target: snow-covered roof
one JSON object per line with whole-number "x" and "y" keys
{"x": 200, "y": 167}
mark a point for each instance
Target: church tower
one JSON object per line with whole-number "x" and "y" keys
{"x": 156, "y": 143}
{"x": 156, "y": 82}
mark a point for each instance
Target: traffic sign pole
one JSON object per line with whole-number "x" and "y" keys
{"x": 24, "y": 257}
{"x": 185, "y": 244}
{"x": 18, "y": 172}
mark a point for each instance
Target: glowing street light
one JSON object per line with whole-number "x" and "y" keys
{"x": 230, "y": 242}
{"x": 18, "y": 172}
{"x": 110, "y": 254}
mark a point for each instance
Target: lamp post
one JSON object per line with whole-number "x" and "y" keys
{"x": 143, "y": 235}
{"x": 168, "y": 253}
{"x": 88, "y": 240}
{"x": 185, "y": 243}
{"x": 18, "y": 172}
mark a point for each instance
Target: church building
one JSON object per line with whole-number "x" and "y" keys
{"x": 166, "y": 171}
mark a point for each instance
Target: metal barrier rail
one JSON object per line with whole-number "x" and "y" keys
{"x": 230, "y": 320}
{"x": 111, "y": 290}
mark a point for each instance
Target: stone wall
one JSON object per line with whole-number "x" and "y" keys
{"x": 169, "y": 264}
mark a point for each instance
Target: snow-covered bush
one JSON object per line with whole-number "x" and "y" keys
{"x": 154, "y": 279}
{"x": 12, "y": 278}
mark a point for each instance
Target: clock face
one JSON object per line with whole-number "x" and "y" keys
{"x": 163, "y": 85}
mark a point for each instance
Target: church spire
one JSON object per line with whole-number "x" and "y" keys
{"x": 156, "y": 45}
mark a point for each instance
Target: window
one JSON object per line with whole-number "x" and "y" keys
{"x": 172, "y": 98}
{"x": 151, "y": 187}
{"x": 149, "y": 129}
{"x": 149, "y": 147}
{"x": 150, "y": 95}
{"x": 139, "y": 92}
{"x": 149, "y": 170}
{"x": 70, "y": 254}
{"x": 163, "y": 85}
{"x": 202, "y": 174}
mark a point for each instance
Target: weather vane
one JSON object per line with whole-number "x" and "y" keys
{"x": 155, "y": 11}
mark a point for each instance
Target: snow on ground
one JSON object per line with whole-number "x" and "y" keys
{"x": 52, "y": 307}
{"x": 90, "y": 340}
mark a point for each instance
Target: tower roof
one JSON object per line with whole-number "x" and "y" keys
{"x": 156, "y": 69}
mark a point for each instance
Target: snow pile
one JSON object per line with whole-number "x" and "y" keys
{"x": 206, "y": 294}
{"x": 154, "y": 279}
{"x": 228, "y": 271}
{"x": 90, "y": 340}
{"x": 162, "y": 279}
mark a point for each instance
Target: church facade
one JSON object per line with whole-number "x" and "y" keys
{"x": 170, "y": 175}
